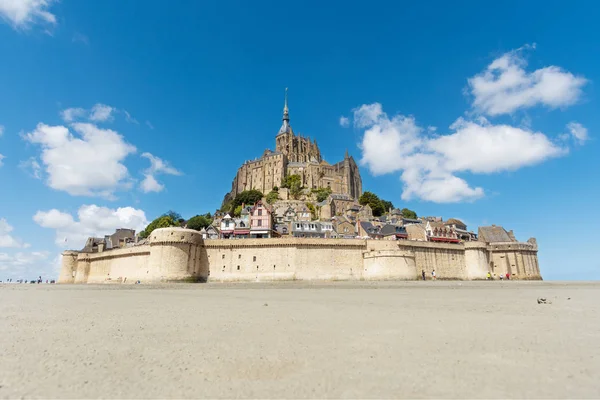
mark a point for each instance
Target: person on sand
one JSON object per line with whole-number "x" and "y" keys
{"x": 489, "y": 276}
{"x": 500, "y": 276}
{"x": 507, "y": 276}
{"x": 423, "y": 274}
{"x": 433, "y": 274}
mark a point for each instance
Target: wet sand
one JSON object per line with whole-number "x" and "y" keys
{"x": 301, "y": 340}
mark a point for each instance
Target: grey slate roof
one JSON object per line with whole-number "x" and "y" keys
{"x": 389, "y": 229}
{"x": 491, "y": 234}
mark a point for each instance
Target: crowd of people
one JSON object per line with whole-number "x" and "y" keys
{"x": 38, "y": 281}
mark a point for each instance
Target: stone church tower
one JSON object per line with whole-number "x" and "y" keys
{"x": 296, "y": 155}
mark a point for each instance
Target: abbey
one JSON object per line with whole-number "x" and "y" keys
{"x": 297, "y": 155}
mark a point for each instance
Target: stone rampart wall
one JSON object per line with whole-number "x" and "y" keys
{"x": 175, "y": 254}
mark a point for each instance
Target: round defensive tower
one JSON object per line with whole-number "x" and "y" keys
{"x": 177, "y": 254}
{"x": 476, "y": 260}
{"x": 68, "y": 267}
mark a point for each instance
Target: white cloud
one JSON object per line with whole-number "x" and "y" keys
{"x": 32, "y": 167}
{"x": 505, "y": 86}
{"x": 21, "y": 14}
{"x": 1, "y": 129}
{"x": 89, "y": 164}
{"x": 149, "y": 125}
{"x": 92, "y": 221}
{"x": 1, "y": 158}
{"x": 27, "y": 265}
{"x": 578, "y": 131}
{"x": 344, "y": 122}
{"x": 157, "y": 166}
{"x": 429, "y": 163}
{"x": 98, "y": 113}
{"x": 129, "y": 118}
{"x": 71, "y": 114}
{"x": 6, "y": 239}
{"x": 101, "y": 113}
{"x": 367, "y": 114}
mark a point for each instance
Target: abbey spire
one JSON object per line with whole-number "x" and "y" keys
{"x": 285, "y": 127}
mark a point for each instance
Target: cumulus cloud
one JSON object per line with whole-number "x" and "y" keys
{"x": 27, "y": 265}
{"x": 6, "y": 239}
{"x": 88, "y": 162}
{"x": 578, "y": 131}
{"x": 344, "y": 122}
{"x": 505, "y": 86}
{"x": 157, "y": 166}
{"x": 101, "y": 113}
{"x": 429, "y": 163}
{"x": 32, "y": 167}
{"x": 92, "y": 220}
{"x": 22, "y": 14}
{"x": 98, "y": 113}
{"x": 71, "y": 114}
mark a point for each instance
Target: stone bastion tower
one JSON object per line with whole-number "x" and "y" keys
{"x": 172, "y": 254}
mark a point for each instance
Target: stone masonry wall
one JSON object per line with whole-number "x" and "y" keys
{"x": 176, "y": 254}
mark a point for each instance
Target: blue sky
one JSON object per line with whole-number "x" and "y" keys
{"x": 114, "y": 112}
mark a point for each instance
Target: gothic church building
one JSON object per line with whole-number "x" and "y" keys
{"x": 297, "y": 155}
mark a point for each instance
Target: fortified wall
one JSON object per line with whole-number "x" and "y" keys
{"x": 176, "y": 254}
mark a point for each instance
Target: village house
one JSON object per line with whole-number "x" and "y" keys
{"x": 212, "y": 232}
{"x": 261, "y": 221}
{"x": 461, "y": 229}
{"x": 343, "y": 227}
{"x": 393, "y": 232}
{"x": 416, "y": 232}
{"x": 312, "y": 229}
{"x": 227, "y": 227}
{"x": 438, "y": 232}
{"x": 367, "y": 229}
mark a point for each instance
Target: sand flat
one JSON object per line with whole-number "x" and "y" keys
{"x": 301, "y": 340}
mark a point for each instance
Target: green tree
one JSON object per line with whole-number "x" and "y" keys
{"x": 237, "y": 211}
{"x": 199, "y": 221}
{"x": 292, "y": 180}
{"x": 272, "y": 197}
{"x": 387, "y": 205}
{"x": 406, "y": 213}
{"x": 322, "y": 193}
{"x": 164, "y": 221}
{"x": 245, "y": 197}
{"x": 313, "y": 211}
{"x": 373, "y": 201}
{"x": 175, "y": 216}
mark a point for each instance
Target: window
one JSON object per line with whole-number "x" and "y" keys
{"x": 260, "y": 212}
{"x": 239, "y": 256}
{"x": 223, "y": 256}
{"x": 254, "y": 259}
{"x": 238, "y": 267}
{"x": 259, "y": 222}
{"x": 226, "y": 224}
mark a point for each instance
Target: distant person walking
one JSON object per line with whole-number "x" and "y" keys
{"x": 433, "y": 274}
{"x": 507, "y": 276}
{"x": 423, "y": 274}
{"x": 489, "y": 276}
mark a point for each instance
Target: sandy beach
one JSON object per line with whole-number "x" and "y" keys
{"x": 301, "y": 340}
